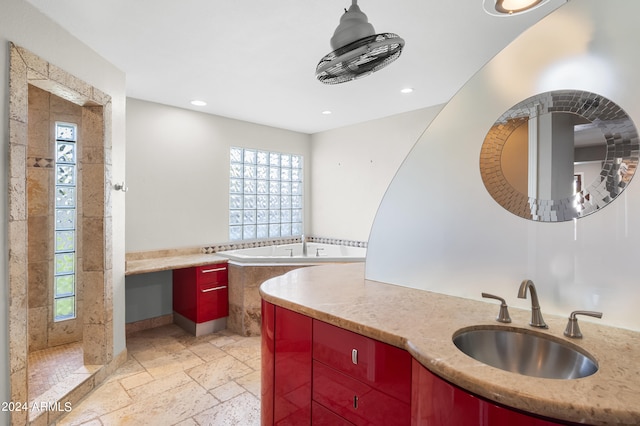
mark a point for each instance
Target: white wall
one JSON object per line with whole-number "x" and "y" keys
{"x": 352, "y": 168}
{"x": 26, "y": 27}
{"x": 178, "y": 173}
{"x": 457, "y": 240}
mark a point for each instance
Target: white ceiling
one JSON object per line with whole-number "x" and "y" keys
{"x": 255, "y": 60}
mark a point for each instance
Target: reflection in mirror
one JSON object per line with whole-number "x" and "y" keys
{"x": 559, "y": 155}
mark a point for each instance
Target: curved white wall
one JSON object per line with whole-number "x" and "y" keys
{"x": 352, "y": 168}
{"x": 437, "y": 227}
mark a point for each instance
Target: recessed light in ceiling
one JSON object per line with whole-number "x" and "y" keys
{"x": 326, "y": 112}
{"x": 198, "y": 103}
{"x": 407, "y": 90}
{"x": 510, "y": 7}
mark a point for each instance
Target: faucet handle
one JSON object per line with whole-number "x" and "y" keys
{"x": 503, "y": 315}
{"x": 573, "y": 329}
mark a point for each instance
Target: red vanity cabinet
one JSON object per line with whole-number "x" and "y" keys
{"x": 267, "y": 361}
{"x": 362, "y": 380}
{"x": 316, "y": 373}
{"x": 439, "y": 403}
{"x": 286, "y": 366}
{"x": 201, "y": 295}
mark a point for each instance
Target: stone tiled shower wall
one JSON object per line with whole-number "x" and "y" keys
{"x": 44, "y": 110}
{"x": 95, "y": 270}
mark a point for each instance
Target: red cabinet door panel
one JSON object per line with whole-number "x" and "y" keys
{"x": 437, "y": 402}
{"x": 267, "y": 360}
{"x": 320, "y": 416}
{"x": 184, "y": 292}
{"x": 356, "y": 401}
{"x": 292, "y": 381}
{"x": 383, "y": 366}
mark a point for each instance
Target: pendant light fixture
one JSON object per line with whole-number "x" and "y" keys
{"x": 357, "y": 50}
{"x": 510, "y": 7}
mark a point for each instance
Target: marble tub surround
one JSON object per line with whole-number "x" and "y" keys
{"x": 423, "y": 323}
{"x": 245, "y": 316}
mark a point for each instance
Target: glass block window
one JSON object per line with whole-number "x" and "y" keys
{"x": 64, "y": 286}
{"x": 265, "y": 194}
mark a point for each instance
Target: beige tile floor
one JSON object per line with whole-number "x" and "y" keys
{"x": 173, "y": 378}
{"x": 52, "y": 366}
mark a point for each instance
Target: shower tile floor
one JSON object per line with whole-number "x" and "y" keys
{"x": 174, "y": 378}
{"x": 53, "y": 366}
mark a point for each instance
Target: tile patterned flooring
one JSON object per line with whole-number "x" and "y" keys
{"x": 172, "y": 378}
{"x": 50, "y": 367}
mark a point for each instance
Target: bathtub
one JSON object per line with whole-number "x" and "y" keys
{"x": 292, "y": 254}
{"x": 250, "y": 267}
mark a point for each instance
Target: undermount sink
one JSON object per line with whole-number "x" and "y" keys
{"x": 524, "y": 352}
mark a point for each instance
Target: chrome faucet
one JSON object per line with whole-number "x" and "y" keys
{"x": 536, "y": 315}
{"x": 304, "y": 245}
{"x": 573, "y": 329}
{"x": 503, "y": 315}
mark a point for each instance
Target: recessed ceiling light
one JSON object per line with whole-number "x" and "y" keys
{"x": 406, "y": 90}
{"x": 198, "y": 103}
{"x": 511, "y": 7}
{"x": 326, "y": 112}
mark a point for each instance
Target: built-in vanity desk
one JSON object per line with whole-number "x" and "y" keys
{"x": 198, "y": 286}
{"x": 423, "y": 323}
{"x": 142, "y": 263}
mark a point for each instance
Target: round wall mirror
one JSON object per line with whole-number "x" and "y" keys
{"x": 559, "y": 155}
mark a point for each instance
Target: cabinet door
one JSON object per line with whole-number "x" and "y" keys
{"x": 267, "y": 360}
{"x": 292, "y": 383}
{"x": 356, "y": 401}
{"x": 439, "y": 403}
{"x": 383, "y": 367}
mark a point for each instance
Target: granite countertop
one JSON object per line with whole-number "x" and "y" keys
{"x": 169, "y": 262}
{"x": 423, "y": 323}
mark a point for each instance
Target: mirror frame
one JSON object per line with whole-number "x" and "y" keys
{"x": 619, "y": 133}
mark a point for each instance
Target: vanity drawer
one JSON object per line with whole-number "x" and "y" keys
{"x": 378, "y": 364}
{"x": 356, "y": 401}
{"x": 322, "y": 416}
{"x": 213, "y": 302}
{"x": 216, "y": 273}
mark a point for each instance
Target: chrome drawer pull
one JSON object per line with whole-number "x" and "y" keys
{"x": 354, "y": 356}
{"x": 213, "y": 289}
{"x": 206, "y": 271}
